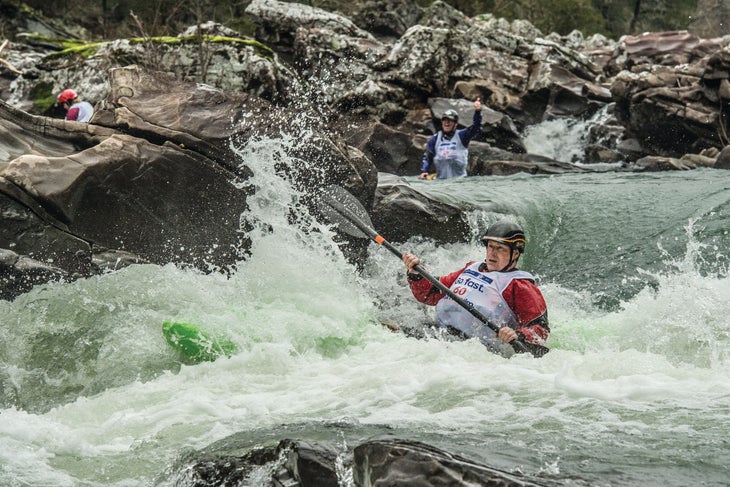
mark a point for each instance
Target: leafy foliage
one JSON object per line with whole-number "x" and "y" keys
{"x": 111, "y": 18}
{"x": 635, "y": 16}
{"x": 561, "y": 16}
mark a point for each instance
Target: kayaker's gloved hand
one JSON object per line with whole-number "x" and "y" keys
{"x": 410, "y": 261}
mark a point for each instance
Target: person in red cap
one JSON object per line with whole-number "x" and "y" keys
{"x": 76, "y": 108}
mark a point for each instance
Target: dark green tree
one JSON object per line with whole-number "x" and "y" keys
{"x": 636, "y": 16}
{"x": 111, "y": 18}
{"x": 561, "y": 16}
{"x": 711, "y": 18}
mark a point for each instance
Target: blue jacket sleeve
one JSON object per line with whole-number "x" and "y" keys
{"x": 473, "y": 130}
{"x": 428, "y": 155}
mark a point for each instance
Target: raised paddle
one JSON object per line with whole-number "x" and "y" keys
{"x": 344, "y": 210}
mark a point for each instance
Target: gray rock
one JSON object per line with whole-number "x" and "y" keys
{"x": 723, "y": 159}
{"x": 153, "y": 178}
{"x": 397, "y": 463}
{"x": 401, "y": 212}
{"x": 19, "y": 273}
{"x": 391, "y": 150}
{"x": 657, "y": 163}
{"x": 381, "y": 460}
{"x": 72, "y": 186}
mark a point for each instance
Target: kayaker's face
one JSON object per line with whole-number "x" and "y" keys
{"x": 448, "y": 125}
{"x": 498, "y": 255}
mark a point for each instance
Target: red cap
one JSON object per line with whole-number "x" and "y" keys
{"x": 67, "y": 95}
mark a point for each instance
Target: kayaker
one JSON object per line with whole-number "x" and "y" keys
{"x": 447, "y": 153}
{"x": 76, "y": 108}
{"x": 507, "y": 296}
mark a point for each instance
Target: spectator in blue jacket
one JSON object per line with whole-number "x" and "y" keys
{"x": 447, "y": 152}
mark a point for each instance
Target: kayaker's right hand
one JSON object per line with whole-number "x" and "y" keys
{"x": 423, "y": 175}
{"x": 410, "y": 260}
{"x": 507, "y": 334}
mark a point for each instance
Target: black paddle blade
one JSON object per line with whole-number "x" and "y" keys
{"x": 340, "y": 208}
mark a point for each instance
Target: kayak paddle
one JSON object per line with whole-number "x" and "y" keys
{"x": 344, "y": 210}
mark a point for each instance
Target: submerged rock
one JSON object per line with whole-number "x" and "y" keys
{"x": 382, "y": 460}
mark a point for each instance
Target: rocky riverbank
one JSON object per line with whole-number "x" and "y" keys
{"x": 155, "y": 176}
{"x": 167, "y": 109}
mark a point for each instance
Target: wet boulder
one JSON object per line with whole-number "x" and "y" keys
{"x": 155, "y": 177}
{"x": 19, "y": 273}
{"x": 400, "y": 212}
{"x": 671, "y": 48}
{"x": 397, "y": 462}
{"x": 391, "y": 150}
{"x": 380, "y": 460}
{"x": 110, "y": 195}
{"x": 723, "y": 159}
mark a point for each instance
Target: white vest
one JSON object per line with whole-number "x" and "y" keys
{"x": 451, "y": 157}
{"x": 86, "y": 110}
{"x": 483, "y": 290}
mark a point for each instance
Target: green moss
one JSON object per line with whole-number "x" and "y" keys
{"x": 76, "y": 48}
{"x": 263, "y": 50}
{"x": 42, "y": 96}
{"x": 42, "y": 105}
{"x": 158, "y": 40}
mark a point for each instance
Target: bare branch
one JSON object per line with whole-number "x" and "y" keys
{"x": 5, "y": 63}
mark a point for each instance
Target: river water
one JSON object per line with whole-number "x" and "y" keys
{"x": 635, "y": 390}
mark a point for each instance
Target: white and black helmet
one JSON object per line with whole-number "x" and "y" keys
{"x": 450, "y": 115}
{"x": 508, "y": 233}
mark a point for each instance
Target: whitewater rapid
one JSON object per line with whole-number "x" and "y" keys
{"x": 633, "y": 392}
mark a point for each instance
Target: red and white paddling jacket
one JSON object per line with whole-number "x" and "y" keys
{"x": 505, "y": 298}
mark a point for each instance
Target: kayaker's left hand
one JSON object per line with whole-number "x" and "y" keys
{"x": 410, "y": 261}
